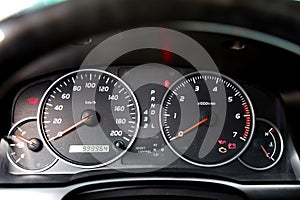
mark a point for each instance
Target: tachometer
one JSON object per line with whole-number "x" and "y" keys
{"x": 89, "y": 118}
{"x": 207, "y": 119}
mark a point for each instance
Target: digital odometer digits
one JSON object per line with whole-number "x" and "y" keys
{"x": 207, "y": 119}
{"x": 89, "y": 118}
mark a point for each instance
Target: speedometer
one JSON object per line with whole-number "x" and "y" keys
{"x": 207, "y": 119}
{"x": 89, "y": 118}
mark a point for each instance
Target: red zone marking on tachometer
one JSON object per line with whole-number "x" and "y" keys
{"x": 248, "y": 120}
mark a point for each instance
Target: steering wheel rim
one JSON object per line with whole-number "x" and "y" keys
{"x": 32, "y": 35}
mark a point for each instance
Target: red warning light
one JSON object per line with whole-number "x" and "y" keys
{"x": 232, "y": 146}
{"x": 167, "y": 83}
{"x": 222, "y": 142}
{"x": 167, "y": 56}
{"x": 32, "y": 101}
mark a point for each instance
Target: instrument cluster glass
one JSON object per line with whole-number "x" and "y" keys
{"x": 92, "y": 118}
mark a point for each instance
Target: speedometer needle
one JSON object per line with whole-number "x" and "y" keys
{"x": 182, "y": 133}
{"x": 62, "y": 133}
{"x": 266, "y": 153}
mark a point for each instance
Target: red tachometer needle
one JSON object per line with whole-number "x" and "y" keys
{"x": 62, "y": 133}
{"x": 182, "y": 133}
{"x": 266, "y": 153}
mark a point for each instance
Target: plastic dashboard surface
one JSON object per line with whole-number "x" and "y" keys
{"x": 254, "y": 142}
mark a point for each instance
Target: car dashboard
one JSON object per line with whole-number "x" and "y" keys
{"x": 152, "y": 115}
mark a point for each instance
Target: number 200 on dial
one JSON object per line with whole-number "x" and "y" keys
{"x": 89, "y": 118}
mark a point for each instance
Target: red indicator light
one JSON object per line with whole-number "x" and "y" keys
{"x": 167, "y": 83}
{"x": 222, "y": 141}
{"x": 231, "y": 145}
{"x": 167, "y": 56}
{"x": 32, "y": 101}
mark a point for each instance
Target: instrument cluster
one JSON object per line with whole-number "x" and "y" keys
{"x": 148, "y": 118}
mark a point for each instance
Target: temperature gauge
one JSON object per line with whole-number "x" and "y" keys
{"x": 265, "y": 148}
{"x": 27, "y": 151}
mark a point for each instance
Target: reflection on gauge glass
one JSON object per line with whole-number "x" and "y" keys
{"x": 207, "y": 119}
{"x": 89, "y": 118}
{"x": 266, "y": 147}
{"x": 26, "y": 148}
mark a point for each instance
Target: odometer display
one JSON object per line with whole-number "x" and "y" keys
{"x": 89, "y": 148}
{"x": 89, "y": 118}
{"x": 207, "y": 119}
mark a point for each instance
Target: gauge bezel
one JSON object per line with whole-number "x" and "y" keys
{"x": 49, "y": 146}
{"x": 237, "y": 85}
{"x": 280, "y": 153}
{"x": 13, "y": 128}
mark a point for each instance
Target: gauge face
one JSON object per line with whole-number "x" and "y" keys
{"x": 207, "y": 119}
{"x": 266, "y": 147}
{"x": 89, "y": 118}
{"x": 27, "y": 151}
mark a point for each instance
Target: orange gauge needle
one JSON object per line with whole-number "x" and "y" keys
{"x": 62, "y": 133}
{"x": 266, "y": 153}
{"x": 20, "y": 137}
{"x": 182, "y": 133}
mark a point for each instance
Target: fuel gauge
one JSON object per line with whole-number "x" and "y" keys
{"x": 27, "y": 151}
{"x": 266, "y": 147}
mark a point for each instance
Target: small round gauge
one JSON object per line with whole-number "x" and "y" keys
{"x": 266, "y": 147}
{"x": 207, "y": 119}
{"x": 26, "y": 148}
{"x": 89, "y": 118}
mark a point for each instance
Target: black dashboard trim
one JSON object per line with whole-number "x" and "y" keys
{"x": 259, "y": 191}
